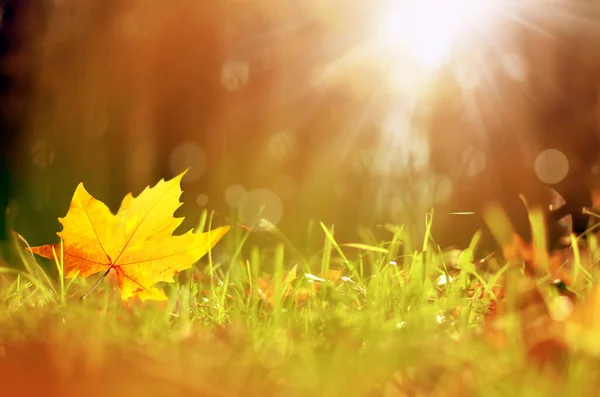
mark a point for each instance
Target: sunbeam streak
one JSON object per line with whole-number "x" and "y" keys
{"x": 427, "y": 29}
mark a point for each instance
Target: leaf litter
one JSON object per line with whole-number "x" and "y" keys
{"x": 470, "y": 324}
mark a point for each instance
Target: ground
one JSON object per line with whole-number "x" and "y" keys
{"x": 371, "y": 319}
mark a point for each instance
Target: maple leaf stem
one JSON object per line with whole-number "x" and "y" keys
{"x": 96, "y": 284}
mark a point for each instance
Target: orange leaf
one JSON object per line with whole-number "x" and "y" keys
{"x": 266, "y": 286}
{"x": 541, "y": 334}
{"x": 137, "y": 243}
{"x": 305, "y": 293}
{"x": 332, "y": 275}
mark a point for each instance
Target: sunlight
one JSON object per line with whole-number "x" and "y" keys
{"x": 426, "y": 30}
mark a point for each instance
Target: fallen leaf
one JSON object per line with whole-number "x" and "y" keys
{"x": 332, "y": 275}
{"x": 542, "y": 335}
{"x": 137, "y": 243}
{"x": 303, "y": 294}
{"x": 266, "y": 286}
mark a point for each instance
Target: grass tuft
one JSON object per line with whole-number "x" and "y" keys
{"x": 370, "y": 318}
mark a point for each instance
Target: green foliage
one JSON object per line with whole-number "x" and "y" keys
{"x": 364, "y": 319}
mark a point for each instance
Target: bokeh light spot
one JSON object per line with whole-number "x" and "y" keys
{"x": 561, "y": 308}
{"x": 283, "y": 146}
{"x": 261, "y": 209}
{"x": 188, "y": 155}
{"x": 42, "y": 154}
{"x": 235, "y": 75}
{"x": 233, "y": 195}
{"x": 551, "y": 166}
{"x": 202, "y": 200}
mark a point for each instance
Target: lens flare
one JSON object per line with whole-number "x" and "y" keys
{"x": 426, "y": 30}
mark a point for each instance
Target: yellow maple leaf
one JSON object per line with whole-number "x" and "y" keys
{"x": 137, "y": 243}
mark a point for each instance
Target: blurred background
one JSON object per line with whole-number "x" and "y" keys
{"x": 348, "y": 112}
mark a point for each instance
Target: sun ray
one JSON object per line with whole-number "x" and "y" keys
{"x": 391, "y": 55}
